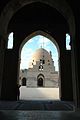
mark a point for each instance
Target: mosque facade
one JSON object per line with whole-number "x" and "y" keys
{"x": 41, "y": 71}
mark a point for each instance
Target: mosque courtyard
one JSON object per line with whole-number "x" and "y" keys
{"x": 39, "y": 93}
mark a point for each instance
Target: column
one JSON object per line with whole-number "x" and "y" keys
{"x": 2, "y": 54}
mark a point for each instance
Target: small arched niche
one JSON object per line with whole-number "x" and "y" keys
{"x": 40, "y": 80}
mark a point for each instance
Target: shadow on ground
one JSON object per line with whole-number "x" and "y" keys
{"x": 36, "y": 105}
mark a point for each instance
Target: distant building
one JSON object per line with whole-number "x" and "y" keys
{"x": 41, "y": 71}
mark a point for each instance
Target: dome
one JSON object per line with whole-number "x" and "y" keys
{"x": 40, "y": 54}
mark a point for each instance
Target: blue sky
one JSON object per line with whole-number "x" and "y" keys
{"x": 35, "y": 43}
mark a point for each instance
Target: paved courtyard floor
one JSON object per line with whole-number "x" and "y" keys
{"x": 39, "y": 115}
{"x": 39, "y": 93}
{"x": 38, "y": 104}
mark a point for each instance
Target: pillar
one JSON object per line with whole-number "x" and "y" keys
{"x": 2, "y": 54}
{"x": 66, "y": 90}
{"x": 76, "y": 62}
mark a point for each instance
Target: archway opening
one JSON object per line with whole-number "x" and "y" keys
{"x": 40, "y": 82}
{"x": 40, "y": 69}
{"x": 24, "y": 81}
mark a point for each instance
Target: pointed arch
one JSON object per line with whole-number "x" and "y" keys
{"x": 40, "y": 80}
{"x": 39, "y": 32}
{"x": 14, "y": 5}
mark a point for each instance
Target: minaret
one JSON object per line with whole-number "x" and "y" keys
{"x": 42, "y": 60}
{"x": 51, "y": 54}
{"x": 52, "y": 60}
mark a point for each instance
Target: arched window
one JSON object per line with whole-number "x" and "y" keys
{"x": 10, "y": 41}
{"x": 40, "y": 67}
{"x": 68, "y": 47}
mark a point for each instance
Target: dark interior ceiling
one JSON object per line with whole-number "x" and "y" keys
{"x": 72, "y": 3}
{"x": 38, "y": 10}
{"x": 3, "y": 4}
{"x": 36, "y": 14}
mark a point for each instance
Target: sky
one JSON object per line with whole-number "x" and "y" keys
{"x": 35, "y": 43}
{"x": 32, "y": 45}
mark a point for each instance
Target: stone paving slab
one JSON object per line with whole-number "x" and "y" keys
{"x": 39, "y": 115}
{"x": 36, "y": 105}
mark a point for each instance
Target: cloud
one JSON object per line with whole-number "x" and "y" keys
{"x": 56, "y": 65}
{"x": 30, "y": 47}
{"x": 43, "y": 41}
{"x": 26, "y": 52}
{"x": 25, "y": 57}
